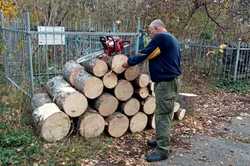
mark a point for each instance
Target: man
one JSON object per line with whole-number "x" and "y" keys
{"x": 163, "y": 53}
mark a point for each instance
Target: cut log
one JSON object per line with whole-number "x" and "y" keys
{"x": 152, "y": 84}
{"x": 110, "y": 80}
{"x": 117, "y": 62}
{"x": 123, "y": 90}
{"x": 92, "y": 124}
{"x": 51, "y": 123}
{"x": 131, "y": 107}
{"x": 186, "y": 100}
{"x": 67, "y": 98}
{"x": 152, "y": 121}
{"x": 142, "y": 81}
{"x": 71, "y": 70}
{"x": 180, "y": 114}
{"x": 39, "y": 100}
{"x": 138, "y": 122}
{"x": 142, "y": 92}
{"x": 117, "y": 124}
{"x": 89, "y": 85}
{"x": 132, "y": 73}
{"x": 149, "y": 105}
{"x": 96, "y": 67}
{"x": 106, "y": 104}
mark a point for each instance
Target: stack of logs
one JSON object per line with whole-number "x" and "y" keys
{"x": 97, "y": 94}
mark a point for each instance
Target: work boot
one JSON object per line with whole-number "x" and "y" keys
{"x": 157, "y": 155}
{"x": 152, "y": 143}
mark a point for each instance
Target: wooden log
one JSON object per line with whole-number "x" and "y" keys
{"x": 152, "y": 121}
{"x": 39, "y": 100}
{"x": 180, "y": 114}
{"x": 142, "y": 92}
{"x": 96, "y": 67}
{"x": 51, "y": 123}
{"x": 89, "y": 85}
{"x": 110, "y": 80}
{"x": 106, "y": 104}
{"x": 186, "y": 100}
{"x": 132, "y": 73}
{"x": 71, "y": 70}
{"x": 149, "y": 105}
{"x": 131, "y": 107}
{"x": 123, "y": 90}
{"x": 92, "y": 124}
{"x": 142, "y": 81}
{"x": 117, "y": 62}
{"x": 138, "y": 122}
{"x": 117, "y": 124}
{"x": 67, "y": 98}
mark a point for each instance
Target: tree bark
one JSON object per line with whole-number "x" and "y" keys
{"x": 51, "y": 123}
{"x": 67, "y": 98}
{"x": 96, "y": 67}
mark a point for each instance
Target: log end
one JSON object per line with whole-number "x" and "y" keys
{"x": 92, "y": 125}
{"x": 100, "y": 68}
{"x": 118, "y": 124}
{"x": 138, "y": 122}
{"x": 149, "y": 106}
{"x": 93, "y": 88}
{"x": 132, "y": 73}
{"x": 124, "y": 90}
{"x": 131, "y": 107}
{"x": 110, "y": 80}
{"x": 75, "y": 104}
{"x": 117, "y": 62}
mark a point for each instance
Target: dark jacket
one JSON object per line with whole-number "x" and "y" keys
{"x": 164, "y": 56}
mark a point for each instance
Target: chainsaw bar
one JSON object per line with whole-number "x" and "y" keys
{"x": 93, "y": 55}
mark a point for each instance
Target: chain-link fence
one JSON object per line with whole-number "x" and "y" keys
{"x": 30, "y": 58}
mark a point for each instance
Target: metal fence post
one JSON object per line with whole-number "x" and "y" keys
{"x": 237, "y": 60}
{"x": 138, "y": 35}
{"x": 29, "y": 48}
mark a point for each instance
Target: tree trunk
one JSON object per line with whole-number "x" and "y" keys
{"x": 92, "y": 124}
{"x": 138, "y": 122}
{"x": 142, "y": 81}
{"x": 67, "y": 98}
{"x": 142, "y": 92}
{"x": 89, "y": 85}
{"x": 187, "y": 100}
{"x": 96, "y": 67}
{"x": 71, "y": 70}
{"x": 131, "y": 107}
{"x": 51, "y": 123}
{"x": 117, "y": 62}
{"x": 149, "y": 105}
{"x": 118, "y": 124}
{"x": 106, "y": 104}
{"x": 180, "y": 114}
{"x": 110, "y": 80}
{"x": 132, "y": 73}
{"x": 124, "y": 90}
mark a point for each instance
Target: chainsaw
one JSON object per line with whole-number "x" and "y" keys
{"x": 111, "y": 45}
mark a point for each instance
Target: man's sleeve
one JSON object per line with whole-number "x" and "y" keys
{"x": 150, "y": 52}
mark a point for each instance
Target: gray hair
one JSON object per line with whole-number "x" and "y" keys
{"x": 157, "y": 23}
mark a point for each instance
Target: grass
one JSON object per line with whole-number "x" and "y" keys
{"x": 20, "y": 144}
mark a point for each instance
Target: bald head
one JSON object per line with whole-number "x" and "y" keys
{"x": 155, "y": 27}
{"x": 157, "y": 24}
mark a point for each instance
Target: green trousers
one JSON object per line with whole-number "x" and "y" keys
{"x": 165, "y": 94}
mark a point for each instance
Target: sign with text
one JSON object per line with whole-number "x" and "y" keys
{"x": 51, "y": 35}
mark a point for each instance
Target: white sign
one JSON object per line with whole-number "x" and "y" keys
{"x": 51, "y": 35}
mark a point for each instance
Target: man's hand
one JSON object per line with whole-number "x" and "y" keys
{"x": 125, "y": 64}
